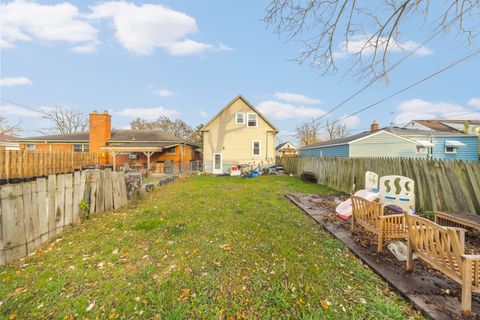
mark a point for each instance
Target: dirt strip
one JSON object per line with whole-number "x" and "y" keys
{"x": 437, "y": 297}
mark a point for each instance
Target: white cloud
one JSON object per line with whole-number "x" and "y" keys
{"x": 164, "y": 93}
{"x": 281, "y": 111}
{"x": 14, "y": 81}
{"x": 224, "y": 47}
{"x": 421, "y": 109}
{"x": 143, "y": 28}
{"x": 474, "y": 102}
{"x": 354, "y": 46}
{"x": 147, "y": 113}
{"x": 28, "y": 21}
{"x": 351, "y": 121}
{"x": 295, "y": 98}
{"x": 85, "y": 48}
{"x": 203, "y": 114}
{"x": 14, "y": 110}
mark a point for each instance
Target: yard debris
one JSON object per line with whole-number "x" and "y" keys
{"x": 90, "y": 306}
{"x": 116, "y": 251}
{"x": 184, "y": 294}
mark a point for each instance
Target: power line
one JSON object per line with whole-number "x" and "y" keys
{"x": 378, "y": 77}
{"x": 432, "y": 75}
{"x": 21, "y": 105}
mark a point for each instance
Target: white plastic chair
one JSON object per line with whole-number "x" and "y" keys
{"x": 398, "y": 191}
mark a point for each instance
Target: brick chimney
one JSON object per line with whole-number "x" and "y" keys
{"x": 100, "y": 130}
{"x": 374, "y": 126}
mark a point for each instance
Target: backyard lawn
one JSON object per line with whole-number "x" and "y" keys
{"x": 203, "y": 247}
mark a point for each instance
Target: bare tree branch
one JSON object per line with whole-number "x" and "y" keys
{"x": 9, "y": 129}
{"x": 335, "y": 29}
{"x": 64, "y": 120}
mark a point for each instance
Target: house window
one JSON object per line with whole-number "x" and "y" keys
{"x": 239, "y": 118}
{"x": 421, "y": 149}
{"x": 30, "y": 147}
{"x": 80, "y": 148}
{"x": 171, "y": 150}
{"x": 450, "y": 150}
{"x": 255, "y": 148}
{"x": 252, "y": 120}
{"x": 132, "y": 156}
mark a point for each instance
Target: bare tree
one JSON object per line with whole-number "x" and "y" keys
{"x": 308, "y": 132}
{"x": 336, "y": 129}
{"x": 9, "y": 129}
{"x": 177, "y": 128}
{"x": 64, "y": 120}
{"x": 367, "y": 31}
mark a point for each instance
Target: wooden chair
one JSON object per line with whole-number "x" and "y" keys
{"x": 443, "y": 248}
{"x": 369, "y": 214}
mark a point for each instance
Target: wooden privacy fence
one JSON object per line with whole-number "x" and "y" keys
{"x": 19, "y": 164}
{"x": 31, "y": 213}
{"x": 439, "y": 185}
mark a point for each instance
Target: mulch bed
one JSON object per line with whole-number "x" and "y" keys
{"x": 430, "y": 291}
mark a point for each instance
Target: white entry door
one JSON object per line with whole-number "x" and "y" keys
{"x": 217, "y": 163}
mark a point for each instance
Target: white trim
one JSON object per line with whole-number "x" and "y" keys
{"x": 454, "y": 150}
{"x": 220, "y": 170}
{"x": 374, "y": 134}
{"x": 236, "y": 117}
{"x": 256, "y": 122}
{"x": 259, "y": 148}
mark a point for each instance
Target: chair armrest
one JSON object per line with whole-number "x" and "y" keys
{"x": 471, "y": 257}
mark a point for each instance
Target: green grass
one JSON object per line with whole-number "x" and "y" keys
{"x": 206, "y": 248}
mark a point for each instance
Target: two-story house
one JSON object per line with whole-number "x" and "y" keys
{"x": 238, "y": 134}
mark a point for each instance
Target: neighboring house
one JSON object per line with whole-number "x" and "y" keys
{"x": 446, "y": 125}
{"x": 286, "y": 149}
{"x": 399, "y": 142}
{"x": 238, "y": 134}
{"x": 117, "y": 147}
{"x": 8, "y": 142}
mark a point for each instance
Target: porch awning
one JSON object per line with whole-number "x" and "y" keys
{"x": 454, "y": 143}
{"x": 424, "y": 143}
{"x": 131, "y": 149}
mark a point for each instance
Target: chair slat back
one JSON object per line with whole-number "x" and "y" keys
{"x": 436, "y": 244}
{"x": 366, "y": 212}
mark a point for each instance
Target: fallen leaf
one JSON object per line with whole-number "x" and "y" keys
{"x": 116, "y": 251}
{"x": 113, "y": 314}
{"x": 325, "y": 304}
{"x": 184, "y": 294}
{"x": 12, "y": 315}
{"x": 240, "y": 314}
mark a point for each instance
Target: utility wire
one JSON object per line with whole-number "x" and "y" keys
{"x": 378, "y": 77}
{"x": 432, "y": 75}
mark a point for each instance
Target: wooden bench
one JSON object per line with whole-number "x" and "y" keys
{"x": 369, "y": 214}
{"x": 457, "y": 219}
{"x": 442, "y": 248}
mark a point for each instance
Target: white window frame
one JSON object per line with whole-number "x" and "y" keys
{"x": 454, "y": 150}
{"x": 256, "y": 122}
{"x": 419, "y": 149}
{"x": 236, "y": 117}
{"x": 259, "y": 148}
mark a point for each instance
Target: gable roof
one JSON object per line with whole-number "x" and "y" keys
{"x": 248, "y": 104}
{"x": 280, "y": 146}
{"x": 402, "y": 133}
{"x": 442, "y": 125}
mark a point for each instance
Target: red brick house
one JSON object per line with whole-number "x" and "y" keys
{"x": 144, "y": 148}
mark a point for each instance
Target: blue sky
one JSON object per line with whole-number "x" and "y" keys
{"x": 187, "y": 59}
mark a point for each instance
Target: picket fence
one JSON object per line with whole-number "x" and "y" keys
{"x": 439, "y": 184}
{"x": 34, "y": 212}
{"x": 20, "y": 164}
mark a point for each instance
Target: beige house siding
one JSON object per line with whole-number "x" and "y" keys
{"x": 234, "y": 141}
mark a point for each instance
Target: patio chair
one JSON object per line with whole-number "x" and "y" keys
{"x": 370, "y": 215}
{"x": 444, "y": 249}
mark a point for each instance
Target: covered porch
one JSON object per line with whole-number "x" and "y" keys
{"x": 147, "y": 151}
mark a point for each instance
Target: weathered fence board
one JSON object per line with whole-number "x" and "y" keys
{"x": 31, "y": 213}
{"x": 439, "y": 184}
{"x": 19, "y": 164}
